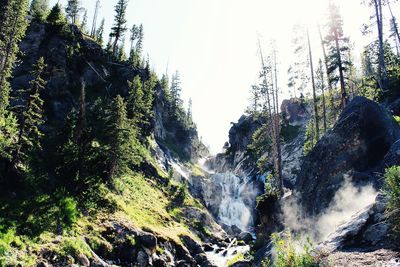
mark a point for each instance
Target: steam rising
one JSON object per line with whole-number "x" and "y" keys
{"x": 348, "y": 201}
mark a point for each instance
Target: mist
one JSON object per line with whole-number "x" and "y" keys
{"x": 347, "y": 201}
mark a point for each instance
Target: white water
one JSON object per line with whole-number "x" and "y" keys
{"x": 232, "y": 209}
{"x": 220, "y": 257}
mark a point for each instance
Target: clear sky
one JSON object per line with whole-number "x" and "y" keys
{"x": 213, "y": 44}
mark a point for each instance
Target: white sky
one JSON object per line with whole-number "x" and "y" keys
{"x": 213, "y": 44}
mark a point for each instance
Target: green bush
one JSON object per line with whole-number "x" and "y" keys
{"x": 68, "y": 211}
{"x": 291, "y": 252}
{"x": 391, "y": 190}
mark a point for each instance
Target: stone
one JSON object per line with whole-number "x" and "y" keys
{"x": 208, "y": 247}
{"x": 83, "y": 260}
{"x": 376, "y": 233}
{"x": 294, "y": 111}
{"x": 44, "y": 264}
{"x": 142, "y": 259}
{"x": 242, "y": 264}
{"x": 148, "y": 240}
{"x": 358, "y": 143}
{"x": 236, "y": 230}
{"x": 246, "y": 237}
{"x": 192, "y": 245}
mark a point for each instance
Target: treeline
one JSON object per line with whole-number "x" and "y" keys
{"x": 99, "y": 140}
{"x": 327, "y": 81}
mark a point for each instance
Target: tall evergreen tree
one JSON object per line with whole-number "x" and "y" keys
{"x": 29, "y": 113}
{"x": 39, "y": 9}
{"x": 337, "y": 47}
{"x": 13, "y": 26}
{"x": 176, "y": 92}
{"x": 123, "y": 144}
{"x": 100, "y": 32}
{"x": 119, "y": 28}
{"x": 56, "y": 16}
{"x": 73, "y": 9}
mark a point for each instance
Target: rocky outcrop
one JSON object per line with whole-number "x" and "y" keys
{"x": 355, "y": 146}
{"x": 72, "y": 60}
{"x": 294, "y": 111}
{"x": 366, "y": 238}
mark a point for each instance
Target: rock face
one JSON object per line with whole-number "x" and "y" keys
{"x": 366, "y": 231}
{"x": 294, "y": 111}
{"x": 356, "y": 145}
{"x": 73, "y": 59}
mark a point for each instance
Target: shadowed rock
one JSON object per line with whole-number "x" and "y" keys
{"x": 356, "y": 145}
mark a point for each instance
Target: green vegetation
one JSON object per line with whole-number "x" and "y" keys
{"x": 293, "y": 252}
{"x": 391, "y": 190}
{"x": 236, "y": 258}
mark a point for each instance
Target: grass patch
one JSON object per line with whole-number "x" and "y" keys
{"x": 391, "y": 191}
{"x": 236, "y": 258}
{"x": 290, "y": 252}
{"x": 146, "y": 206}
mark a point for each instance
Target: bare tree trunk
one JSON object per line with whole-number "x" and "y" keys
{"x": 94, "y": 24}
{"x": 277, "y": 129}
{"x": 341, "y": 75}
{"x": 313, "y": 86}
{"x": 396, "y": 29}
{"x": 327, "y": 72}
{"x": 273, "y": 113}
{"x": 379, "y": 22}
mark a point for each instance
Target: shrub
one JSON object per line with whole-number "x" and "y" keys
{"x": 391, "y": 191}
{"x": 291, "y": 252}
{"x": 68, "y": 211}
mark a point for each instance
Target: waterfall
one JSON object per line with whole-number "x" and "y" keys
{"x": 236, "y": 196}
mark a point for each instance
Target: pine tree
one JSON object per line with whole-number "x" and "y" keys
{"x": 13, "y": 26}
{"x": 123, "y": 143}
{"x": 39, "y": 9}
{"x": 139, "y": 43}
{"x": 73, "y": 9}
{"x": 29, "y": 113}
{"x": 56, "y": 16}
{"x": 140, "y": 103}
{"x": 176, "y": 93}
{"x": 337, "y": 47}
{"x": 119, "y": 28}
{"x": 100, "y": 32}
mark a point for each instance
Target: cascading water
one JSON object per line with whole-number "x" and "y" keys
{"x": 233, "y": 209}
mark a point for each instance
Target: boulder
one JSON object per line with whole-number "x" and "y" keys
{"x": 236, "y": 230}
{"x": 366, "y": 229}
{"x": 246, "y": 237}
{"x": 357, "y": 143}
{"x": 148, "y": 240}
{"x": 243, "y": 263}
{"x": 192, "y": 245}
